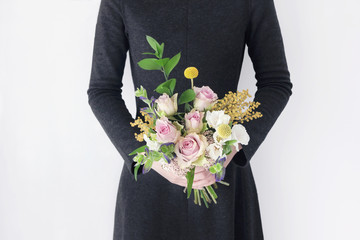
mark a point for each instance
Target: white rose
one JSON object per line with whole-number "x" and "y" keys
{"x": 215, "y": 118}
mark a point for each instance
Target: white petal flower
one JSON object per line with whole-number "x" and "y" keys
{"x": 215, "y": 118}
{"x": 214, "y": 150}
{"x": 153, "y": 145}
{"x": 220, "y": 141}
{"x": 239, "y": 133}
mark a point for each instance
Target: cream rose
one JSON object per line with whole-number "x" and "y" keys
{"x": 166, "y": 131}
{"x": 167, "y": 104}
{"x": 194, "y": 121}
{"x": 189, "y": 149}
{"x": 205, "y": 98}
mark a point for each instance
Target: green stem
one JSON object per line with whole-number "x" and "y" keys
{"x": 198, "y": 198}
{"x": 225, "y": 183}
{"x": 163, "y": 70}
{"x": 210, "y": 189}
{"x": 206, "y": 196}
{"x": 202, "y": 196}
{"x": 195, "y": 196}
{"x": 211, "y": 194}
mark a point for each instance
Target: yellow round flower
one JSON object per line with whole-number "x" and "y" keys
{"x": 191, "y": 72}
{"x": 224, "y": 130}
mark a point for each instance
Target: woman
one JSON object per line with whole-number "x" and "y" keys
{"x": 212, "y": 35}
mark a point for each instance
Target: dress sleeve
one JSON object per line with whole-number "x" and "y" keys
{"x": 104, "y": 91}
{"x": 274, "y": 88}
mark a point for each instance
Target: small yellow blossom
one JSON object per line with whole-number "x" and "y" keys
{"x": 191, "y": 72}
{"x": 144, "y": 126}
{"x": 237, "y": 108}
{"x": 224, "y": 130}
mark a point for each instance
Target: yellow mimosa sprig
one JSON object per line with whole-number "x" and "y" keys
{"x": 234, "y": 104}
{"x": 145, "y": 125}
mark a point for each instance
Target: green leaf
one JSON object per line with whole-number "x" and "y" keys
{"x": 204, "y": 128}
{"x": 149, "y": 64}
{"x": 152, "y": 42}
{"x": 190, "y": 179}
{"x": 226, "y": 149}
{"x": 155, "y": 156}
{"x": 149, "y": 53}
{"x": 172, "y": 85}
{"x": 138, "y": 150}
{"x": 138, "y": 158}
{"x": 187, "y": 107}
{"x": 187, "y": 96}
{"x": 136, "y": 168}
{"x": 172, "y": 63}
{"x": 161, "y": 50}
{"x": 141, "y": 92}
{"x": 148, "y": 163}
{"x": 166, "y": 87}
{"x": 212, "y": 169}
{"x": 172, "y": 118}
{"x": 230, "y": 142}
{"x": 163, "y": 61}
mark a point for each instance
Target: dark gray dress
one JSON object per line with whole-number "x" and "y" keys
{"x": 211, "y": 35}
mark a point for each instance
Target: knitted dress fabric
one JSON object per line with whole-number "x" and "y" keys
{"x": 211, "y": 35}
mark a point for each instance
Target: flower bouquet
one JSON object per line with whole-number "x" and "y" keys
{"x": 202, "y": 135}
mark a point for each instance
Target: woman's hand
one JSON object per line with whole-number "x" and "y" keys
{"x": 202, "y": 177}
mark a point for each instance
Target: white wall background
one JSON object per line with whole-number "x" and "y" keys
{"x": 59, "y": 172}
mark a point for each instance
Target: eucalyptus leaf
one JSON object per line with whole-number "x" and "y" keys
{"x": 136, "y": 169}
{"x": 148, "y": 53}
{"x": 187, "y": 96}
{"x": 138, "y": 150}
{"x": 152, "y": 42}
{"x": 166, "y": 87}
{"x": 149, "y": 64}
{"x": 163, "y": 61}
{"x": 172, "y": 63}
{"x": 161, "y": 50}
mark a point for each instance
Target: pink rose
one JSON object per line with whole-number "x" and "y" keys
{"x": 205, "y": 98}
{"x": 167, "y": 104}
{"x": 166, "y": 131}
{"x": 194, "y": 121}
{"x": 189, "y": 148}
